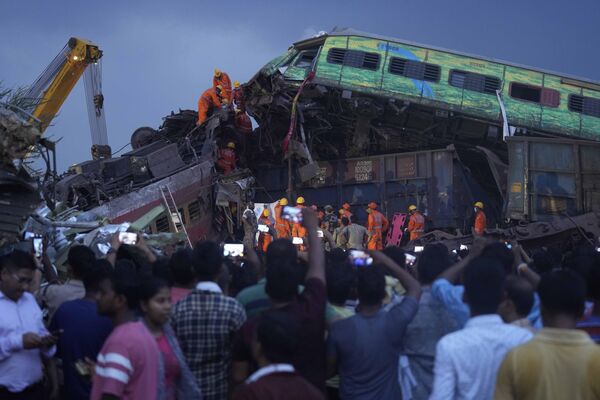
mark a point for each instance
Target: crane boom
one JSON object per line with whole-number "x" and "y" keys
{"x": 54, "y": 85}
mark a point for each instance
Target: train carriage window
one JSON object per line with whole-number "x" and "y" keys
{"x": 584, "y": 105}
{"x": 194, "y": 210}
{"x": 353, "y": 58}
{"x": 305, "y": 58}
{"x": 536, "y": 94}
{"x": 414, "y": 69}
{"x": 162, "y": 224}
{"x": 474, "y": 82}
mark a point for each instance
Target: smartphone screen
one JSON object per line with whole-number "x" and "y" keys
{"x": 297, "y": 240}
{"x": 319, "y": 233}
{"x": 419, "y": 249}
{"x": 410, "y": 260}
{"x": 263, "y": 228}
{"x": 128, "y": 238}
{"x": 38, "y": 246}
{"x": 293, "y": 214}
{"x": 360, "y": 258}
{"x": 233, "y": 250}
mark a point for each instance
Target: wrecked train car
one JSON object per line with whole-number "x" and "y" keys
{"x": 369, "y": 95}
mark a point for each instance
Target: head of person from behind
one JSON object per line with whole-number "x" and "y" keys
{"x": 118, "y": 292}
{"x": 371, "y": 286}
{"x": 208, "y": 261}
{"x": 79, "y": 259}
{"x": 250, "y": 205}
{"x": 17, "y": 270}
{"x": 282, "y": 271}
{"x": 484, "y": 286}
{"x": 518, "y": 299}
{"x": 276, "y": 339}
{"x": 562, "y": 294}
{"x": 155, "y": 303}
{"x": 345, "y": 221}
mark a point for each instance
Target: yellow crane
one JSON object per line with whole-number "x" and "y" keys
{"x": 51, "y": 89}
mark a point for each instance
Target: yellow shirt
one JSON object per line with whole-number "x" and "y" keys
{"x": 556, "y": 364}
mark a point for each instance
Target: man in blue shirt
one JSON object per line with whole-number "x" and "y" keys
{"x": 83, "y": 333}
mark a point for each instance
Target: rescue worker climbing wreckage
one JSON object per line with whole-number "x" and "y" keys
{"x": 211, "y": 100}
{"x": 416, "y": 223}
{"x": 226, "y": 161}
{"x": 298, "y": 230}
{"x": 265, "y": 228}
{"x": 377, "y": 224}
{"x": 282, "y": 225}
{"x": 221, "y": 78}
{"x": 480, "y": 219}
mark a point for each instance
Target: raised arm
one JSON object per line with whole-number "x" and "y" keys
{"x": 316, "y": 254}
{"x": 412, "y": 286}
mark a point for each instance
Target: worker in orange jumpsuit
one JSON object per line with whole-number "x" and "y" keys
{"x": 480, "y": 219}
{"x": 238, "y": 97}
{"x": 226, "y": 160}
{"x": 222, "y": 79}
{"x": 208, "y": 102}
{"x": 416, "y": 223}
{"x": 299, "y": 231}
{"x": 265, "y": 238}
{"x": 282, "y": 225}
{"x": 347, "y": 213}
{"x": 377, "y": 224}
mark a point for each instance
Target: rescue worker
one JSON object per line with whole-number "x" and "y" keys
{"x": 347, "y": 213}
{"x": 330, "y": 221}
{"x": 377, "y": 224}
{"x": 207, "y": 103}
{"x": 265, "y": 238}
{"x": 222, "y": 79}
{"x": 480, "y": 219}
{"x": 226, "y": 160}
{"x": 416, "y": 223}
{"x": 282, "y": 225}
{"x": 238, "y": 97}
{"x": 298, "y": 230}
{"x": 250, "y": 224}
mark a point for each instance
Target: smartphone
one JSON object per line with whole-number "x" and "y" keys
{"x": 297, "y": 240}
{"x": 82, "y": 368}
{"x": 128, "y": 238}
{"x": 319, "y": 233}
{"x": 419, "y": 249}
{"x": 263, "y": 228}
{"x": 233, "y": 250}
{"x": 463, "y": 247}
{"x": 293, "y": 214}
{"x": 410, "y": 260}
{"x": 38, "y": 246}
{"x": 360, "y": 258}
{"x": 508, "y": 245}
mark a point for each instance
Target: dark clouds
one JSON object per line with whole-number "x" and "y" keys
{"x": 159, "y": 55}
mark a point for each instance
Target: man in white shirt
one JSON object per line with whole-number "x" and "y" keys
{"x": 467, "y": 360}
{"x": 23, "y": 337}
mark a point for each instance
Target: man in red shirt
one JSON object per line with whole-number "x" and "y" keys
{"x": 226, "y": 161}
{"x": 273, "y": 349}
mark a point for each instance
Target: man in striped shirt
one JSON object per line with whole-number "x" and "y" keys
{"x": 127, "y": 365}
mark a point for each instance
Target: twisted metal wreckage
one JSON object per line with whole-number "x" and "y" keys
{"x": 346, "y": 140}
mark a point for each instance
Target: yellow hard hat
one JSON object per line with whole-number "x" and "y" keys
{"x": 412, "y": 207}
{"x": 283, "y": 202}
{"x": 217, "y": 72}
{"x": 266, "y": 212}
{"x": 342, "y": 211}
{"x": 300, "y": 200}
{"x": 479, "y": 204}
{"x": 236, "y": 84}
{"x": 231, "y": 145}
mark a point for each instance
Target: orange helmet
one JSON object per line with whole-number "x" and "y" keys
{"x": 346, "y": 206}
{"x": 372, "y": 205}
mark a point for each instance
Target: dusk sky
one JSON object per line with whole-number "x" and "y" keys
{"x": 159, "y": 55}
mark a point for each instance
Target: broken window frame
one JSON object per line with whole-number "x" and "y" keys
{"x": 584, "y": 105}
{"x": 302, "y": 53}
{"x": 547, "y": 97}
{"x": 414, "y": 69}
{"x": 353, "y": 58}
{"x": 468, "y": 83}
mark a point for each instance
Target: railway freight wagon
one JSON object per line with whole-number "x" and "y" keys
{"x": 435, "y": 180}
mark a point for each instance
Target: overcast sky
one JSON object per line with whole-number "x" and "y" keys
{"x": 159, "y": 55}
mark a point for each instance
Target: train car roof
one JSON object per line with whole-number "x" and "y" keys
{"x": 354, "y": 32}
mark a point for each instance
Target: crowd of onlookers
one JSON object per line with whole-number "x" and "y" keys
{"x": 491, "y": 323}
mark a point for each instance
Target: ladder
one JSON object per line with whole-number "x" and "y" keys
{"x": 173, "y": 213}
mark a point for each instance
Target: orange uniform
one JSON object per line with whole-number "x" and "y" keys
{"x": 377, "y": 224}
{"x": 238, "y": 98}
{"x": 207, "y": 102}
{"x": 299, "y": 231}
{"x": 264, "y": 238}
{"x": 480, "y": 223}
{"x": 416, "y": 225}
{"x": 225, "y": 83}
{"x": 282, "y": 226}
{"x": 226, "y": 160}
